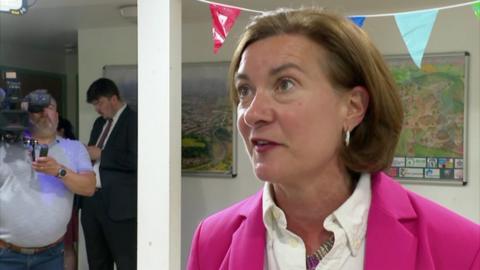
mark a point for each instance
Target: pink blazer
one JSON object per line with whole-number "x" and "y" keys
{"x": 405, "y": 231}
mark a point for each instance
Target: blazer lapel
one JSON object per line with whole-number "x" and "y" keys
{"x": 96, "y": 130}
{"x": 247, "y": 250}
{"x": 390, "y": 242}
{"x": 118, "y": 126}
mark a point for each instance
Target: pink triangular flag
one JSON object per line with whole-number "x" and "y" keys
{"x": 223, "y": 19}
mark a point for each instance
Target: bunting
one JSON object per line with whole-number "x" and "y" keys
{"x": 476, "y": 9}
{"x": 414, "y": 26}
{"x": 415, "y": 29}
{"x": 358, "y": 20}
{"x": 223, "y": 19}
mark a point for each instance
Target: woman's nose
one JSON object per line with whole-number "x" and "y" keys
{"x": 259, "y": 111}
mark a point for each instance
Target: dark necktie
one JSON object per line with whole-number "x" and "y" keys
{"x": 101, "y": 141}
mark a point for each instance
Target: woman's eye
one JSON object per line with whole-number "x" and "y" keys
{"x": 285, "y": 85}
{"x": 243, "y": 90}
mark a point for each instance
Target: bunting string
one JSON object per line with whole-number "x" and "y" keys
{"x": 414, "y": 26}
{"x": 419, "y": 10}
{"x": 367, "y": 16}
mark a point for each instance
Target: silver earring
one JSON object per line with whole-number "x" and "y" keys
{"x": 347, "y": 138}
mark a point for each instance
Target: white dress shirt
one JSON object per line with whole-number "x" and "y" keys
{"x": 96, "y": 165}
{"x": 286, "y": 251}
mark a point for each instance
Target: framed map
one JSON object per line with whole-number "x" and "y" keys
{"x": 208, "y": 129}
{"x": 432, "y": 146}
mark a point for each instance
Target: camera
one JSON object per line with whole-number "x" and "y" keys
{"x": 14, "y": 109}
{"x": 37, "y": 101}
{"x": 13, "y": 120}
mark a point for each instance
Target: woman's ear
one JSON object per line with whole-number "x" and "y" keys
{"x": 357, "y": 103}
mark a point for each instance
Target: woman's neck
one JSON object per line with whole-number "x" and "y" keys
{"x": 307, "y": 206}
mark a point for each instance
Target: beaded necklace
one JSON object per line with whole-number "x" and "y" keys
{"x": 314, "y": 259}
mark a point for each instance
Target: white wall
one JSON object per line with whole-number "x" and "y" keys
{"x": 97, "y": 48}
{"x": 71, "y": 70}
{"x": 15, "y": 55}
{"x": 203, "y": 196}
{"x": 159, "y": 134}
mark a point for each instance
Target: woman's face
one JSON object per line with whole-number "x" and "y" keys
{"x": 289, "y": 115}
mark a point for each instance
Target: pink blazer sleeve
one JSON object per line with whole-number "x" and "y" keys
{"x": 193, "y": 260}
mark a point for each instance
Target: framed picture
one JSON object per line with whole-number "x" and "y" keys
{"x": 126, "y": 79}
{"x": 432, "y": 145}
{"x": 208, "y": 121}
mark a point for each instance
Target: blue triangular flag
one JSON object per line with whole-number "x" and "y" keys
{"x": 358, "y": 20}
{"x": 415, "y": 28}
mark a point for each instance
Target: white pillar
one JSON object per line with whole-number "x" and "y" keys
{"x": 159, "y": 134}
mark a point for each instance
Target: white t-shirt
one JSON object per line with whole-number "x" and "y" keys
{"x": 35, "y": 208}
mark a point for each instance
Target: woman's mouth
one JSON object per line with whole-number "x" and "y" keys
{"x": 262, "y": 146}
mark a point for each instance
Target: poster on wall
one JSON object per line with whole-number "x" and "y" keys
{"x": 432, "y": 144}
{"x": 208, "y": 129}
{"x": 126, "y": 79}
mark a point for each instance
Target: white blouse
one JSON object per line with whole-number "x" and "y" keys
{"x": 286, "y": 251}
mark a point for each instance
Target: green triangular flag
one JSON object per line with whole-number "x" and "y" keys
{"x": 476, "y": 9}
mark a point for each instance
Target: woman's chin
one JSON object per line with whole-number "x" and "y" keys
{"x": 265, "y": 173}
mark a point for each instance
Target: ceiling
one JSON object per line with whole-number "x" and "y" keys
{"x": 53, "y": 24}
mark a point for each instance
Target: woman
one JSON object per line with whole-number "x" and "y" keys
{"x": 320, "y": 117}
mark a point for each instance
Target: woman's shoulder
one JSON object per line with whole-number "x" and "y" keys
{"x": 215, "y": 235}
{"x": 442, "y": 235}
{"x": 446, "y": 233}
{"x": 441, "y": 220}
{"x": 231, "y": 217}
{"x": 397, "y": 198}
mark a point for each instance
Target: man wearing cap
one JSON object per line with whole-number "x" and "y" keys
{"x": 36, "y": 193}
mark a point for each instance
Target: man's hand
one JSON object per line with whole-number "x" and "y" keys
{"x": 82, "y": 183}
{"x": 47, "y": 165}
{"x": 94, "y": 152}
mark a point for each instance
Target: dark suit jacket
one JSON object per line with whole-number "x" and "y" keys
{"x": 118, "y": 165}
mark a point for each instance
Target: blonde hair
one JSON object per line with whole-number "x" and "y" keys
{"x": 353, "y": 60}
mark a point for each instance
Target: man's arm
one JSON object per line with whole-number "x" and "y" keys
{"x": 93, "y": 151}
{"x": 82, "y": 183}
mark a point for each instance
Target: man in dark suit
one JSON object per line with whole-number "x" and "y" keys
{"x": 109, "y": 218}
